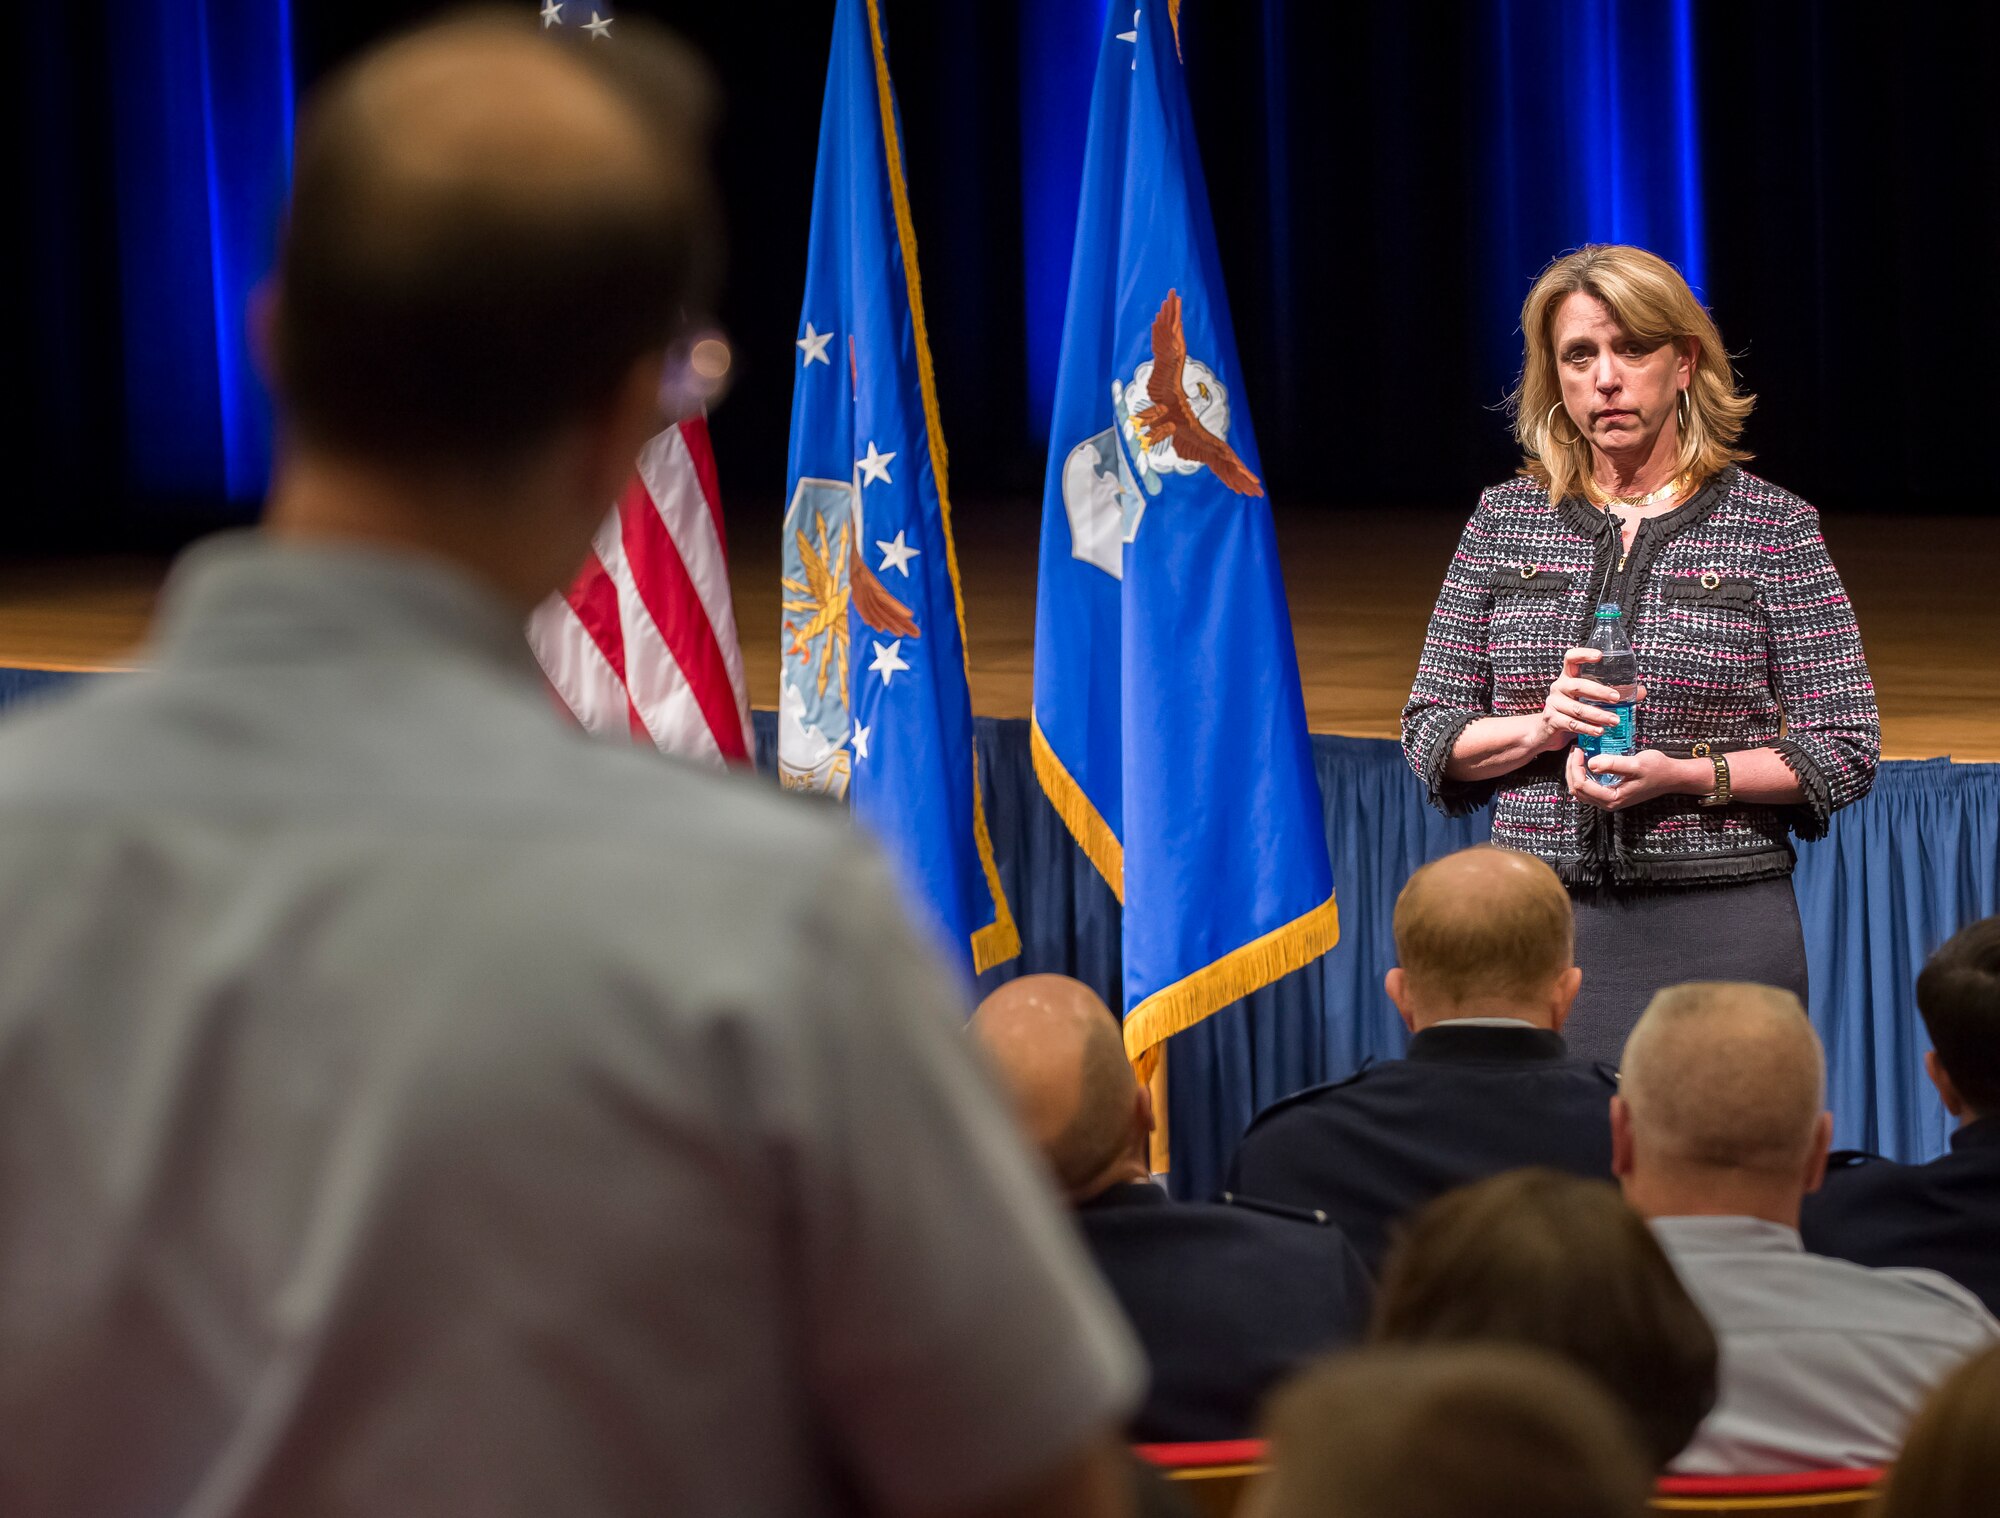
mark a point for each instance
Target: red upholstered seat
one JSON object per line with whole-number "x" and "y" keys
{"x": 1216, "y": 1471}
{"x": 1792, "y": 1484}
{"x": 1203, "y": 1456}
{"x": 1798, "y": 1494}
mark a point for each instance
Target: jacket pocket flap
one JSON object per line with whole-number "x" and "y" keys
{"x": 1710, "y": 589}
{"x": 1525, "y": 579}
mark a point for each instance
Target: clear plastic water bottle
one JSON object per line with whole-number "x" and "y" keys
{"x": 1619, "y": 668}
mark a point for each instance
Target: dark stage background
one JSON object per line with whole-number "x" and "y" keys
{"x": 1386, "y": 181}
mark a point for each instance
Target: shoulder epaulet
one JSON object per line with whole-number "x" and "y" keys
{"x": 1285, "y": 1102}
{"x": 1851, "y": 1159}
{"x": 1277, "y": 1209}
{"x": 1606, "y": 1072}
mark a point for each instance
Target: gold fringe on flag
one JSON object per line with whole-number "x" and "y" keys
{"x": 1161, "y": 1159}
{"x": 1171, "y": 1009}
{"x": 1092, "y": 833}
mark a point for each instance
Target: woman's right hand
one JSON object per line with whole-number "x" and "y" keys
{"x": 1577, "y": 704}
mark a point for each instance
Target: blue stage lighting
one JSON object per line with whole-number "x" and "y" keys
{"x": 203, "y": 122}
{"x": 1593, "y": 137}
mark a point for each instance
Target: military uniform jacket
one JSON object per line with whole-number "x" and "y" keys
{"x": 1469, "y": 1101}
{"x": 1228, "y": 1299}
{"x": 1944, "y": 1216}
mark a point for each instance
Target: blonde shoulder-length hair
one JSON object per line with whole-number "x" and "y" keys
{"x": 1648, "y": 298}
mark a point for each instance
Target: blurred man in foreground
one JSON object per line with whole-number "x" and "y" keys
{"x": 1227, "y": 1299}
{"x": 1719, "y": 1131}
{"x": 408, "y": 1105}
{"x": 1484, "y": 978}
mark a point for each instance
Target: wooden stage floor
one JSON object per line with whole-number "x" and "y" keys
{"x": 1361, "y": 586}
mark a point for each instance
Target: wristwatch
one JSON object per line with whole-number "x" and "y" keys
{"x": 1720, "y": 796}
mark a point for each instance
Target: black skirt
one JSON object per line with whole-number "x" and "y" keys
{"x": 1631, "y": 942}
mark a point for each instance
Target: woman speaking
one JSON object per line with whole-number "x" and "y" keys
{"x": 1756, "y": 715}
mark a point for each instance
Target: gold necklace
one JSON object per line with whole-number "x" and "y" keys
{"x": 1603, "y": 497}
{"x": 1607, "y": 500}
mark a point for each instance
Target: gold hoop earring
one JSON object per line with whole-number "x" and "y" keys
{"x": 1549, "y": 426}
{"x": 1683, "y": 409}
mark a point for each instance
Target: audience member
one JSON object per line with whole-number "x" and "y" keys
{"x": 1228, "y": 1299}
{"x": 409, "y": 1105}
{"x": 1483, "y": 981}
{"x": 1944, "y": 1215}
{"x": 1449, "y": 1431}
{"x": 1950, "y": 1463}
{"x": 1719, "y": 1132}
{"x": 1541, "y": 1258}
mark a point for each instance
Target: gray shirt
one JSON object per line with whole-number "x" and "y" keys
{"x": 1824, "y": 1363}
{"x": 411, "y": 1106}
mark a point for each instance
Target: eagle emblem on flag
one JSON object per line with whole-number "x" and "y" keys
{"x": 1173, "y": 415}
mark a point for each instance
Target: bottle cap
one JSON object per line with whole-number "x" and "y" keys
{"x": 1608, "y": 611}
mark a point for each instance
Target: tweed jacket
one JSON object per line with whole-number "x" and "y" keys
{"x": 1745, "y": 639}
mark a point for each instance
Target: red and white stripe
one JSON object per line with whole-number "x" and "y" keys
{"x": 644, "y": 642}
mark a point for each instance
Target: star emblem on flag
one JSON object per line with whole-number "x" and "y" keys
{"x": 896, "y": 555}
{"x": 875, "y": 468}
{"x": 813, "y": 346}
{"x": 887, "y": 661}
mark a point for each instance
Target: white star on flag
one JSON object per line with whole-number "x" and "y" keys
{"x": 598, "y": 26}
{"x": 552, "y": 14}
{"x": 861, "y": 739}
{"x": 1133, "y": 38}
{"x": 813, "y": 345}
{"x": 888, "y": 660}
{"x": 896, "y": 555}
{"x": 875, "y": 466}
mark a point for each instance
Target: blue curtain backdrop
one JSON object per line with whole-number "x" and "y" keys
{"x": 1058, "y": 43}
{"x": 1592, "y": 137}
{"x": 1385, "y": 179}
{"x": 202, "y": 104}
{"x": 157, "y": 143}
{"x": 1583, "y": 128}
{"x": 1901, "y": 871}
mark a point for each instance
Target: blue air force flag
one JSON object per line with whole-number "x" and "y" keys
{"x": 1169, "y": 730}
{"x": 873, "y": 700}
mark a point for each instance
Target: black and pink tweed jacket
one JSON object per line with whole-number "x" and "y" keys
{"x": 1745, "y": 639}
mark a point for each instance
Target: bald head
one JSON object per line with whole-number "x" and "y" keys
{"x": 484, "y": 108}
{"x": 1057, "y": 1048}
{"x": 1724, "y": 1075}
{"x": 488, "y": 229}
{"x": 1485, "y": 925}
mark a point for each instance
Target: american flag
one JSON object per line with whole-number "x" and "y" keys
{"x": 644, "y": 641}
{"x": 643, "y": 644}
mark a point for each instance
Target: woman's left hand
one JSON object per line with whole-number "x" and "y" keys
{"x": 1647, "y": 774}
